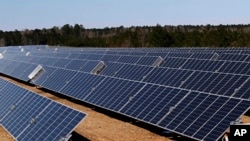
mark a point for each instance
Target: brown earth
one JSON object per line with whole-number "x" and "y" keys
{"x": 98, "y": 126}
{"x": 5, "y": 136}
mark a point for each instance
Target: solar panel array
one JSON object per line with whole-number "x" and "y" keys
{"x": 29, "y": 116}
{"x": 195, "y": 92}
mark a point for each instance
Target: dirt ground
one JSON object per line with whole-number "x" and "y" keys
{"x": 98, "y": 126}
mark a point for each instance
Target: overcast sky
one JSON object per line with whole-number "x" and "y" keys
{"x": 31, "y": 14}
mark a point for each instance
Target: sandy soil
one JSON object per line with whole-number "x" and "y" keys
{"x": 4, "y": 136}
{"x": 97, "y": 126}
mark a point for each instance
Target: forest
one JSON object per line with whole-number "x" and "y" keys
{"x": 134, "y": 36}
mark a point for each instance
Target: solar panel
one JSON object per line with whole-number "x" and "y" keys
{"x": 76, "y": 64}
{"x": 132, "y": 72}
{"x": 129, "y": 59}
{"x": 60, "y": 76}
{"x": 146, "y": 60}
{"x": 82, "y": 56}
{"x": 173, "y": 62}
{"x": 81, "y": 85}
{"x": 199, "y": 122}
{"x": 23, "y": 70}
{"x": 234, "y": 57}
{"x": 192, "y": 93}
{"x": 54, "y": 123}
{"x": 94, "y": 57}
{"x": 202, "y": 55}
{"x": 167, "y": 76}
{"x": 153, "y": 102}
{"x": 29, "y": 116}
{"x": 89, "y": 66}
{"x": 111, "y": 68}
{"x": 113, "y": 93}
{"x": 44, "y": 76}
{"x": 62, "y": 63}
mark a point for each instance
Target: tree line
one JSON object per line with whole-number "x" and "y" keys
{"x": 135, "y": 36}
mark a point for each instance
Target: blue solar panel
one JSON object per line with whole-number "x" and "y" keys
{"x": 136, "y": 53}
{"x": 9, "y": 96}
{"x": 173, "y": 62}
{"x": 146, "y": 60}
{"x": 9, "y": 67}
{"x": 94, "y": 57}
{"x": 26, "y": 72}
{"x": 113, "y": 93}
{"x": 74, "y": 55}
{"x": 153, "y": 102}
{"x": 244, "y": 92}
{"x": 113, "y": 58}
{"x": 133, "y": 72}
{"x": 61, "y": 55}
{"x": 76, "y": 64}
{"x": 82, "y": 56}
{"x": 129, "y": 59}
{"x": 202, "y": 55}
{"x": 111, "y": 68}
{"x": 62, "y": 63}
{"x": 28, "y": 116}
{"x": 26, "y": 109}
{"x": 81, "y": 85}
{"x": 3, "y": 64}
{"x": 36, "y": 60}
{"x": 169, "y": 77}
{"x": 187, "y": 94}
{"x": 89, "y": 66}
{"x": 204, "y": 65}
{"x": 179, "y": 55}
{"x": 44, "y": 76}
{"x": 234, "y": 57}
{"x": 227, "y": 119}
{"x": 58, "y": 79}
{"x": 49, "y": 61}
{"x": 55, "y": 123}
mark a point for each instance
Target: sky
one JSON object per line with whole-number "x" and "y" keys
{"x": 38, "y": 14}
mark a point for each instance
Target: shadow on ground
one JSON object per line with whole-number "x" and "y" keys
{"x": 78, "y": 137}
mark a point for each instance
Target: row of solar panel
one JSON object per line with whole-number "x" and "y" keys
{"x": 120, "y": 51}
{"x": 29, "y": 117}
{"x": 211, "y": 82}
{"x": 18, "y": 70}
{"x": 113, "y": 67}
{"x": 129, "y": 71}
{"x": 183, "y": 109}
{"x": 110, "y": 56}
{"x": 158, "y": 105}
{"x": 49, "y": 60}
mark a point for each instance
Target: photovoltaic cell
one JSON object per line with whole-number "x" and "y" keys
{"x": 76, "y": 64}
{"x": 81, "y": 85}
{"x": 133, "y": 72}
{"x": 111, "y": 68}
{"x": 44, "y": 76}
{"x": 113, "y": 93}
{"x": 196, "y": 92}
{"x": 58, "y": 79}
{"x": 28, "y": 116}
